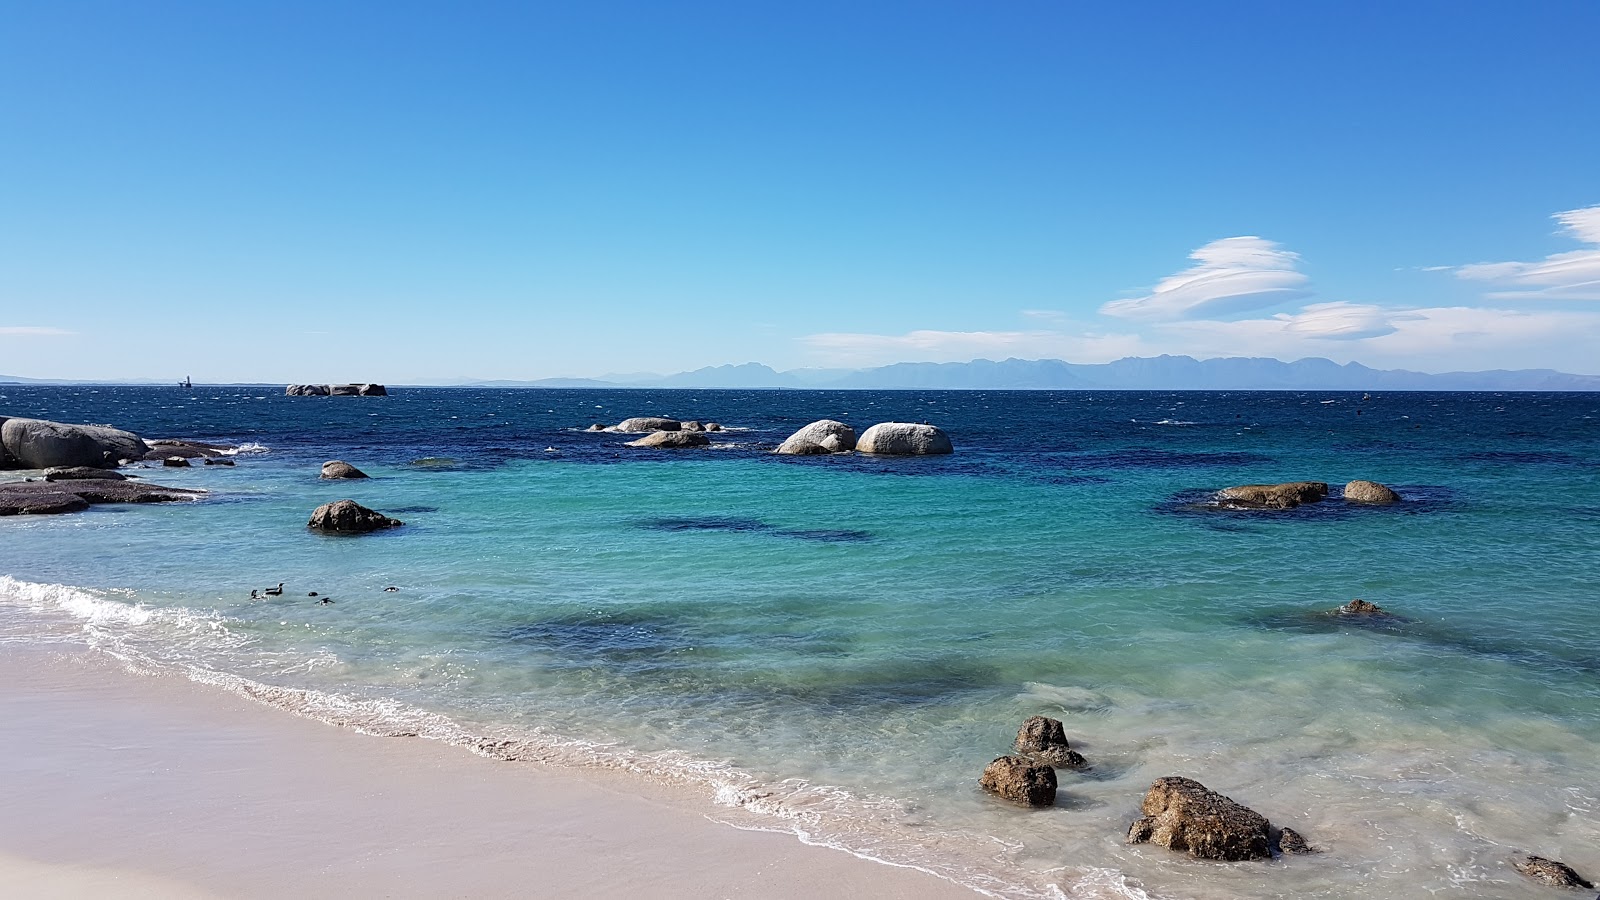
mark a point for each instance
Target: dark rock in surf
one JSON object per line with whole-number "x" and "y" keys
{"x": 82, "y": 473}
{"x": 671, "y": 440}
{"x": 1020, "y": 780}
{"x": 39, "y": 503}
{"x": 161, "y": 449}
{"x": 175, "y": 462}
{"x": 1370, "y": 492}
{"x": 1045, "y": 740}
{"x": 1183, "y": 814}
{"x": 349, "y": 517}
{"x": 1363, "y": 608}
{"x": 36, "y": 497}
{"x": 1548, "y": 871}
{"x": 1290, "y": 841}
{"x": 1274, "y": 496}
{"x": 218, "y": 461}
{"x": 334, "y": 468}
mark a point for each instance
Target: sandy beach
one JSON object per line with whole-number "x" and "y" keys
{"x": 119, "y": 784}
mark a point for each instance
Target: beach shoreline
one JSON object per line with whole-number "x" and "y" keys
{"x": 139, "y": 785}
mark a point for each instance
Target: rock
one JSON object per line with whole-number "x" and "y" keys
{"x": 344, "y": 390}
{"x": 693, "y": 426}
{"x": 1274, "y": 496}
{"x": 82, "y": 473}
{"x": 1290, "y": 841}
{"x": 175, "y": 462}
{"x": 1020, "y": 780}
{"x": 306, "y": 390}
{"x": 640, "y": 424}
{"x": 372, "y": 390}
{"x": 1370, "y": 492}
{"x": 336, "y": 390}
{"x": 596, "y": 427}
{"x": 1361, "y": 608}
{"x": 218, "y": 461}
{"x": 40, "y": 444}
{"x": 334, "y": 468}
{"x": 349, "y": 517}
{"x": 1550, "y": 872}
{"x": 904, "y": 439}
{"x": 1182, "y": 814}
{"x": 821, "y": 436}
{"x": 39, "y": 503}
{"x": 162, "y": 449}
{"x": 713, "y": 426}
{"x": 671, "y": 439}
{"x": 1045, "y": 740}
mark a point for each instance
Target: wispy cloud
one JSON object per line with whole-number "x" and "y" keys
{"x": 1574, "y": 275}
{"x": 858, "y": 349}
{"x": 31, "y": 330}
{"x": 1234, "y": 275}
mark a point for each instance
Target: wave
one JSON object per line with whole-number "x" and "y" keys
{"x": 164, "y": 641}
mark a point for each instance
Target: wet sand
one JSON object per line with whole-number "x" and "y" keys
{"x": 118, "y": 784}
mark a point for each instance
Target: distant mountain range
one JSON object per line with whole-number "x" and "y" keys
{"x": 1160, "y": 373}
{"x": 1234, "y": 373}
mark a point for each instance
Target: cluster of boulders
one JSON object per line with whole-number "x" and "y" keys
{"x": 1291, "y": 494}
{"x": 885, "y": 439}
{"x": 336, "y": 390}
{"x": 662, "y": 433}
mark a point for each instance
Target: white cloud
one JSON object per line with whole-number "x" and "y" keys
{"x": 1234, "y": 275}
{"x": 856, "y": 349}
{"x": 1574, "y": 275}
{"x": 23, "y": 330}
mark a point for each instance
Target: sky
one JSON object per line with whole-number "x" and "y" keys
{"x": 413, "y": 192}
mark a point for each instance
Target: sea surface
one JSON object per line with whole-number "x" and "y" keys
{"x": 837, "y": 646}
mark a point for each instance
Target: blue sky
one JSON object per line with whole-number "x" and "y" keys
{"x": 422, "y": 191}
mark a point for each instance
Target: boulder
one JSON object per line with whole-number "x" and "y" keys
{"x": 693, "y": 426}
{"x": 1550, "y": 872}
{"x": 82, "y": 473}
{"x": 1370, "y": 492}
{"x": 39, "y": 503}
{"x": 1361, "y": 608}
{"x": 176, "y": 462}
{"x": 218, "y": 461}
{"x": 1290, "y": 841}
{"x": 904, "y": 439}
{"x": 1045, "y": 740}
{"x": 1020, "y": 780}
{"x": 641, "y": 424}
{"x": 334, "y": 468}
{"x": 372, "y": 390}
{"x": 306, "y": 390}
{"x": 596, "y": 427}
{"x": 821, "y": 436}
{"x": 1274, "y": 496}
{"x": 349, "y": 517}
{"x": 671, "y": 439}
{"x": 1182, "y": 814}
{"x": 713, "y": 426}
{"x": 44, "y": 496}
{"x": 39, "y": 444}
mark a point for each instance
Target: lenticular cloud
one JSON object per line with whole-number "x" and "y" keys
{"x": 1234, "y": 275}
{"x": 1574, "y": 275}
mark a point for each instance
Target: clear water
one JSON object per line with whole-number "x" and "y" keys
{"x": 839, "y": 645}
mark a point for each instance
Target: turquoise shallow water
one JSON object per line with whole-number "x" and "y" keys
{"x": 840, "y": 644}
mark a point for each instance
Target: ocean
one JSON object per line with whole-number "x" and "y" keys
{"x": 836, "y": 646}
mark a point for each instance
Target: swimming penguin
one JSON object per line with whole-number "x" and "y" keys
{"x": 255, "y": 594}
{"x": 312, "y": 594}
{"x": 274, "y": 592}
{"x": 390, "y": 589}
{"x": 325, "y": 600}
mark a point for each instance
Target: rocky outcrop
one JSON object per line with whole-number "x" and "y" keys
{"x": 82, "y": 473}
{"x": 671, "y": 440}
{"x": 349, "y": 517}
{"x": 167, "y": 447}
{"x": 41, "y": 444}
{"x": 1020, "y": 780}
{"x": 1548, "y": 871}
{"x": 904, "y": 439}
{"x": 334, "y": 468}
{"x": 693, "y": 426}
{"x": 39, "y": 503}
{"x": 38, "y": 497}
{"x": 306, "y": 390}
{"x": 821, "y": 436}
{"x": 1370, "y": 492}
{"x": 1045, "y": 740}
{"x": 1274, "y": 496}
{"x": 641, "y": 424}
{"x": 336, "y": 390}
{"x": 713, "y": 426}
{"x": 1182, "y": 814}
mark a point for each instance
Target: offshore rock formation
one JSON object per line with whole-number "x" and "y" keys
{"x": 1370, "y": 492}
{"x": 671, "y": 439}
{"x": 904, "y": 439}
{"x": 1274, "y": 496}
{"x": 335, "y": 390}
{"x": 1020, "y": 780}
{"x": 349, "y": 517}
{"x": 42, "y": 444}
{"x": 334, "y": 468}
{"x": 821, "y": 436}
{"x": 641, "y": 424}
{"x": 1045, "y": 739}
{"x": 1182, "y": 814}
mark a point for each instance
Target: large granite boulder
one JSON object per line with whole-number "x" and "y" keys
{"x": 1548, "y": 871}
{"x": 671, "y": 439}
{"x": 40, "y": 444}
{"x": 82, "y": 473}
{"x": 641, "y": 424}
{"x": 1183, "y": 814}
{"x": 306, "y": 390}
{"x": 1274, "y": 496}
{"x": 904, "y": 439}
{"x": 821, "y": 436}
{"x": 349, "y": 517}
{"x": 1020, "y": 780}
{"x": 1370, "y": 492}
{"x": 1045, "y": 739}
{"x": 334, "y": 468}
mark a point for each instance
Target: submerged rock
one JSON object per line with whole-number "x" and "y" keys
{"x": 1045, "y": 739}
{"x": 42, "y": 444}
{"x": 1183, "y": 814}
{"x": 1370, "y": 492}
{"x": 36, "y": 497}
{"x": 671, "y": 439}
{"x": 641, "y": 424}
{"x": 1290, "y": 841}
{"x": 335, "y": 468}
{"x": 1361, "y": 608}
{"x": 1550, "y": 872}
{"x": 218, "y": 461}
{"x": 1287, "y": 495}
{"x": 821, "y": 436}
{"x": 349, "y": 517}
{"x": 904, "y": 439}
{"x": 1020, "y": 780}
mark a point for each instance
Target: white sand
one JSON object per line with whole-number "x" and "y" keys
{"x": 122, "y": 785}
